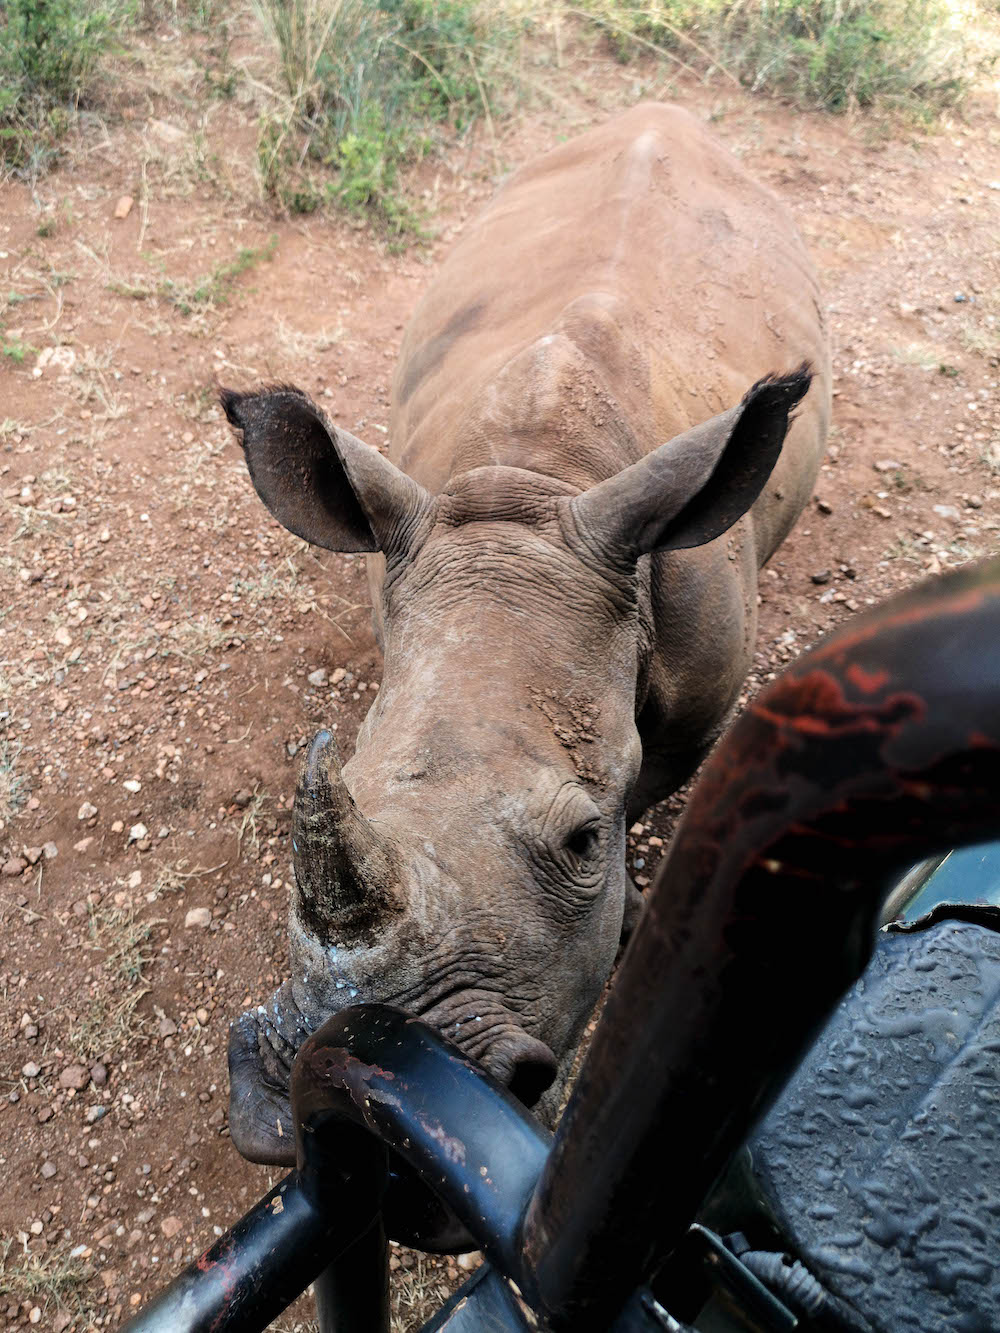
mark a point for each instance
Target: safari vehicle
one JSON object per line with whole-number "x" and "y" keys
{"x": 789, "y": 1115}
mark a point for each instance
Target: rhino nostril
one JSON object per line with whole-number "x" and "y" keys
{"x": 530, "y": 1069}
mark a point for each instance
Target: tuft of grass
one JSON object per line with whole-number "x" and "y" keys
{"x": 13, "y": 787}
{"x": 216, "y": 287}
{"x": 365, "y": 85}
{"x": 53, "y": 1278}
{"x": 50, "y": 54}
{"x": 914, "y": 55}
{"x": 111, "y": 1020}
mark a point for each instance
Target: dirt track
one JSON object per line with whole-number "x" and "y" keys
{"x": 159, "y": 629}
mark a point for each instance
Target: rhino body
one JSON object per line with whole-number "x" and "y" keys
{"x": 564, "y": 544}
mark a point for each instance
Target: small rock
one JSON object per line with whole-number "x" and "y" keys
{"x": 167, "y": 1028}
{"x": 318, "y": 677}
{"x": 124, "y": 206}
{"x": 170, "y": 1226}
{"x": 242, "y": 799}
{"x": 824, "y": 506}
{"x": 882, "y": 513}
{"x": 86, "y": 811}
{"x": 338, "y": 675}
{"x": 74, "y": 1076}
{"x": 138, "y": 832}
{"x": 202, "y": 1016}
{"x": 886, "y": 465}
{"x": 95, "y": 1113}
{"x": 50, "y": 851}
{"x": 118, "y": 827}
{"x": 82, "y": 845}
{"x": 135, "y": 879}
{"x": 823, "y": 576}
{"x": 34, "y": 855}
{"x": 48, "y": 1170}
{"x": 14, "y": 866}
{"x": 98, "y": 1075}
{"x": 974, "y": 501}
{"x": 947, "y": 511}
{"x": 198, "y": 916}
{"x": 30, "y": 1070}
{"x": 133, "y": 785}
{"x": 63, "y": 637}
{"x": 960, "y": 298}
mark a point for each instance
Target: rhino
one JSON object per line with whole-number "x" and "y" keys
{"x": 592, "y": 454}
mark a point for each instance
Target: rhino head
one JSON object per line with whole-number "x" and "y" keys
{"x": 467, "y": 864}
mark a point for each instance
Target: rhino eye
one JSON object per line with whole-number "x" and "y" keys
{"x": 583, "y": 842}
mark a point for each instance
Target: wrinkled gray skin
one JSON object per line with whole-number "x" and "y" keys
{"x": 566, "y": 602}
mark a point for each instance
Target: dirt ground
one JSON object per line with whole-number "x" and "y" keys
{"x": 161, "y": 634}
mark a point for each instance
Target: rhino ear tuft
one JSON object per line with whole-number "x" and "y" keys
{"x": 694, "y": 488}
{"x": 318, "y": 481}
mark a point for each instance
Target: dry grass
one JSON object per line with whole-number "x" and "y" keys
{"x": 51, "y": 1281}
{"x": 111, "y": 1021}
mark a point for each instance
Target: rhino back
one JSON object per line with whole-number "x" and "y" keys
{"x": 616, "y": 291}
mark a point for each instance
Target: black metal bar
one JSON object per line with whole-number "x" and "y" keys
{"x": 879, "y": 747}
{"x": 352, "y": 1294}
{"x": 255, "y": 1270}
{"x": 468, "y": 1138}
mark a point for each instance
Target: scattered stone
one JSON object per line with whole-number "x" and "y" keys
{"x": 202, "y": 1015}
{"x": 133, "y": 785}
{"x": 118, "y": 827}
{"x": 95, "y": 1113}
{"x": 63, "y": 637}
{"x": 34, "y": 855}
{"x": 167, "y": 1028}
{"x": 882, "y": 513}
{"x": 14, "y": 866}
{"x": 98, "y": 1075}
{"x": 824, "y": 506}
{"x": 886, "y": 465}
{"x": 82, "y": 845}
{"x": 135, "y": 879}
{"x": 86, "y": 811}
{"x": 960, "y": 298}
{"x": 947, "y": 511}
{"x": 74, "y": 1076}
{"x": 50, "y": 851}
{"x": 319, "y": 678}
{"x": 242, "y": 799}
{"x": 124, "y": 206}
{"x": 974, "y": 501}
{"x": 338, "y": 675}
{"x": 170, "y": 1226}
{"x": 30, "y": 1070}
{"x": 823, "y": 576}
{"x": 198, "y": 916}
{"x": 48, "y": 1170}
{"x": 138, "y": 832}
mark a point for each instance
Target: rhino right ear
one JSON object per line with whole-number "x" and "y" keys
{"x": 318, "y": 481}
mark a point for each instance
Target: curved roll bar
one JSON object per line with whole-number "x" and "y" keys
{"x": 879, "y": 747}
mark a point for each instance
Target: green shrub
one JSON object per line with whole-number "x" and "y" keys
{"x": 366, "y": 82}
{"x": 49, "y": 54}
{"x": 835, "y": 54}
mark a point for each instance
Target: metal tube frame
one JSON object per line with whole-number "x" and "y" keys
{"x": 879, "y": 747}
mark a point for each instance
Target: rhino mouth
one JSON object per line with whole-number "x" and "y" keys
{"x": 263, "y": 1044}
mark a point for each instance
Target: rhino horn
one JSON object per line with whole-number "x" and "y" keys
{"x": 347, "y": 874}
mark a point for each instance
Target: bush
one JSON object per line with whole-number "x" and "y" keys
{"x": 835, "y": 54}
{"x": 366, "y": 81}
{"x": 49, "y": 53}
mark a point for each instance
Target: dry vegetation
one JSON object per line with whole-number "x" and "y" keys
{"x": 194, "y": 193}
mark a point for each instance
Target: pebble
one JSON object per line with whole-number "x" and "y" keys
{"x": 318, "y": 677}
{"x": 138, "y": 832}
{"x": 48, "y": 1170}
{"x": 202, "y": 1016}
{"x": 74, "y": 1076}
{"x": 886, "y": 465}
{"x": 824, "y": 506}
{"x": 198, "y": 916}
{"x": 823, "y": 576}
{"x": 82, "y": 845}
{"x": 86, "y": 811}
{"x": 30, "y": 1070}
{"x": 133, "y": 785}
{"x": 170, "y": 1226}
{"x": 50, "y": 851}
{"x": 34, "y": 855}
{"x": 14, "y": 866}
{"x": 98, "y": 1075}
{"x": 338, "y": 676}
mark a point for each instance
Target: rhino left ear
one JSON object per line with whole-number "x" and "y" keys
{"x": 694, "y": 488}
{"x": 318, "y": 481}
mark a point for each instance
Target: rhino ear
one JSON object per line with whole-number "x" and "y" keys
{"x": 694, "y": 488}
{"x": 318, "y": 481}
